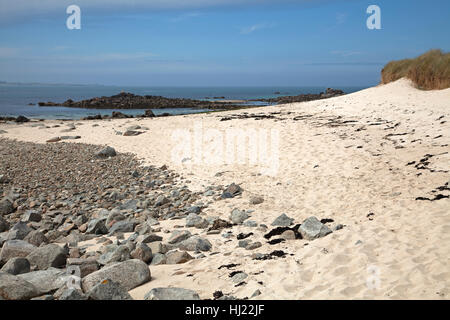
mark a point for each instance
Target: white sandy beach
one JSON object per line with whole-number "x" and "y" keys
{"x": 341, "y": 158}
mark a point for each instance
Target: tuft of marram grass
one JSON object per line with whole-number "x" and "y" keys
{"x": 430, "y": 71}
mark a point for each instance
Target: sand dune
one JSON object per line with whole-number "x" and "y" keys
{"x": 355, "y": 159}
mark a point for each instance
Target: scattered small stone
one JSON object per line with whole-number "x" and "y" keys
{"x": 171, "y": 294}
{"x": 106, "y": 152}
{"x": 177, "y": 257}
{"x": 283, "y": 221}
{"x": 256, "y": 200}
{"x": 238, "y": 276}
{"x": 312, "y": 229}
{"x": 231, "y": 191}
{"x": 238, "y": 217}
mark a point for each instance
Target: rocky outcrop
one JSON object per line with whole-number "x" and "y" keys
{"x": 126, "y": 100}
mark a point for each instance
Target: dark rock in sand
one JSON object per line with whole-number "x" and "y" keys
{"x": 178, "y": 236}
{"x": 22, "y": 119}
{"x": 232, "y": 191}
{"x": 238, "y": 216}
{"x": 106, "y": 152}
{"x": 195, "y": 243}
{"x": 312, "y": 229}
{"x": 283, "y": 221}
{"x": 177, "y": 257}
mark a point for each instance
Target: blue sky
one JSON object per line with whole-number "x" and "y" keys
{"x": 215, "y": 43}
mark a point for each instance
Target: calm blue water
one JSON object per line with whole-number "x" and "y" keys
{"x": 14, "y": 99}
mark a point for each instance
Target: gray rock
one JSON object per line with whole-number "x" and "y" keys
{"x": 157, "y": 247}
{"x": 231, "y": 191}
{"x": 238, "y": 217}
{"x": 14, "y": 249}
{"x": 256, "y": 293}
{"x": 97, "y": 226}
{"x": 253, "y": 246}
{"x": 129, "y": 274}
{"x": 312, "y": 229}
{"x": 14, "y": 288}
{"x": 108, "y": 290}
{"x": 132, "y": 133}
{"x": 4, "y": 225}
{"x": 256, "y": 200}
{"x": 115, "y": 254}
{"x": 36, "y": 238}
{"x": 73, "y": 294}
{"x": 250, "y": 224}
{"x": 194, "y": 220}
{"x": 129, "y": 205}
{"x": 114, "y": 215}
{"x": 19, "y": 231}
{"x": 16, "y": 266}
{"x": 31, "y": 216}
{"x": 171, "y": 294}
{"x": 148, "y": 238}
{"x": 46, "y": 281}
{"x": 283, "y": 221}
{"x": 195, "y": 243}
{"x": 178, "y": 236}
{"x": 152, "y": 222}
{"x": 239, "y": 277}
{"x": 161, "y": 200}
{"x": 6, "y": 206}
{"x": 142, "y": 252}
{"x": 177, "y": 257}
{"x": 158, "y": 258}
{"x": 288, "y": 235}
{"x": 3, "y": 178}
{"x": 86, "y": 266}
{"x": 122, "y": 226}
{"x": 194, "y": 209}
{"x": 106, "y": 152}
{"x": 243, "y": 243}
{"x": 50, "y": 255}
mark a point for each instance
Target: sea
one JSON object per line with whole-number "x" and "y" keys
{"x": 16, "y": 99}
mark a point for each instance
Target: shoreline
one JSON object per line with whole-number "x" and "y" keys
{"x": 359, "y": 160}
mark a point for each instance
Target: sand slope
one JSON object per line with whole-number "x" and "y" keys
{"x": 341, "y": 158}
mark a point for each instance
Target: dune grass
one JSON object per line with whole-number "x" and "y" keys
{"x": 430, "y": 71}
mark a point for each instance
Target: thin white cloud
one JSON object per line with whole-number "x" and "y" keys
{"x": 255, "y": 27}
